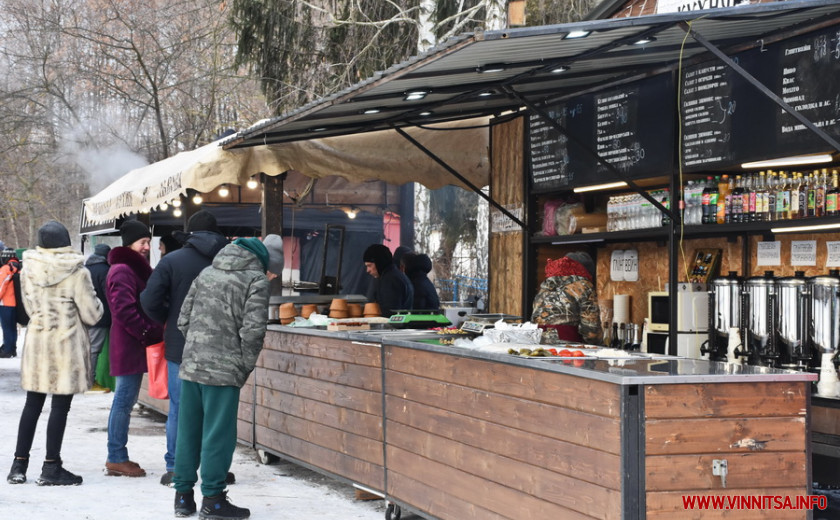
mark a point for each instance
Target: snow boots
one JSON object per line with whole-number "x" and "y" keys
{"x": 53, "y": 474}
{"x": 184, "y": 504}
{"x": 17, "y": 475}
{"x": 219, "y": 508}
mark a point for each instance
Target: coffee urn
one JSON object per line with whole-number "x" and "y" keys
{"x": 759, "y": 299}
{"x": 724, "y": 314}
{"x": 824, "y": 332}
{"x": 791, "y": 322}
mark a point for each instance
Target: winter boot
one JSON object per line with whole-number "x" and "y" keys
{"x": 219, "y": 508}
{"x": 17, "y": 475}
{"x": 53, "y": 474}
{"x": 184, "y": 504}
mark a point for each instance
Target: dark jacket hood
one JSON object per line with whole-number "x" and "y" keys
{"x": 207, "y": 243}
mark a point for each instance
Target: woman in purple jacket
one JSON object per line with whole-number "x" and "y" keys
{"x": 131, "y": 332}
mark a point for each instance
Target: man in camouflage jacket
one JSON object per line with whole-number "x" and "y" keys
{"x": 223, "y": 319}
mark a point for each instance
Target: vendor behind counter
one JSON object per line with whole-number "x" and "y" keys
{"x": 566, "y": 306}
{"x": 390, "y": 287}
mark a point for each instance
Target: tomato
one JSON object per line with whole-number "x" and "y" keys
{"x": 578, "y": 362}
{"x": 578, "y": 353}
{"x": 553, "y": 351}
{"x": 565, "y": 353}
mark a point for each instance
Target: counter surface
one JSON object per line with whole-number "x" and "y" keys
{"x": 637, "y": 369}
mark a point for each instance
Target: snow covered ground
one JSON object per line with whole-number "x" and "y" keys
{"x": 277, "y": 491}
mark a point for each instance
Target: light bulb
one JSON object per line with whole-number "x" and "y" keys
{"x": 164, "y": 206}
{"x": 252, "y": 184}
{"x": 223, "y": 191}
{"x": 197, "y": 199}
{"x": 176, "y": 203}
{"x": 177, "y": 212}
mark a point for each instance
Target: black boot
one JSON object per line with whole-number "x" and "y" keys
{"x": 7, "y": 354}
{"x": 184, "y": 504}
{"x": 17, "y": 475}
{"x": 53, "y": 474}
{"x": 219, "y": 508}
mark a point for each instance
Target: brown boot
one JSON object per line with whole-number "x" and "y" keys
{"x": 124, "y": 469}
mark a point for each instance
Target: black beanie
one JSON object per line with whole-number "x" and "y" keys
{"x": 379, "y": 255}
{"x": 133, "y": 230}
{"x": 53, "y": 235}
{"x": 202, "y": 221}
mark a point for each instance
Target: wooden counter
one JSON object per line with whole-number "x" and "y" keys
{"x": 455, "y": 434}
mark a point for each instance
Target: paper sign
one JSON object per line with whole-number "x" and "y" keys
{"x": 631, "y": 265}
{"x": 833, "y": 257}
{"x": 769, "y": 253}
{"x": 803, "y": 252}
{"x": 617, "y": 266}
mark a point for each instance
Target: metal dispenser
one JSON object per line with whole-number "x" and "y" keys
{"x": 791, "y": 322}
{"x": 824, "y": 330}
{"x": 759, "y": 303}
{"x": 724, "y": 314}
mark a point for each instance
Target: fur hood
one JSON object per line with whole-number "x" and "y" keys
{"x": 48, "y": 267}
{"x": 131, "y": 258}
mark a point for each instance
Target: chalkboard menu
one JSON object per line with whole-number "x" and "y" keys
{"x": 727, "y": 121}
{"x": 624, "y": 126}
{"x": 808, "y": 80}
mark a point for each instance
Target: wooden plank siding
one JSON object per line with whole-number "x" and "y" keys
{"x": 760, "y": 429}
{"x": 319, "y": 401}
{"x": 518, "y": 442}
{"x": 506, "y": 250}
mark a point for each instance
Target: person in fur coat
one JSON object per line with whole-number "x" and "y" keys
{"x": 59, "y": 296}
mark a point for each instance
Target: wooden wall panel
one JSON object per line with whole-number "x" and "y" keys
{"x": 587, "y": 395}
{"x": 507, "y": 187}
{"x": 724, "y": 435}
{"x": 670, "y": 506}
{"x": 786, "y": 269}
{"x": 500, "y": 436}
{"x": 693, "y": 473}
{"x": 825, "y": 420}
{"x": 726, "y": 400}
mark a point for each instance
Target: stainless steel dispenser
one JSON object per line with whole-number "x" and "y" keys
{"x": 824, "y": 330}
{"x": 791, "y": 322}
{"x": 724, "y": 314}
{"x": 759, "y": 307}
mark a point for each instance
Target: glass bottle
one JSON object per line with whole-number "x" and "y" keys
{"x": 803, "y": 196}
{"x": 831, "y": 196}
{"x": 761, "y": 198}
{"x": 819, "y": 204}
{"x": 753, "y": 194}
{"x": 737, "y": 200}
{"x": 707, "y": 199}
{"x": 723, "y": 192}
{"x": 811, "y": 209}
{"x": 782, "y": 197}
{"x": 771, "y": 195}
{"x": 795, "y": 189}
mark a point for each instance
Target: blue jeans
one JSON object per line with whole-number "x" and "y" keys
{"x": 125, "y": 396}
{"x": 174, "y": 384}
{"x": 7, "y": 320}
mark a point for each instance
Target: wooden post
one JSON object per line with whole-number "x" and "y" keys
{"x": 272, "y": 215}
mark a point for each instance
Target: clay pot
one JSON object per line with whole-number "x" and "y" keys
{"x": 339, "y": 314}
{"x": 308, "y": 309}
{"x": 355, "y": 310}
{"x": 286, "y": 321}
{"x": 288, "y": 310}
{"x": 338, "y": 304}
{"x": 372, "y": 310}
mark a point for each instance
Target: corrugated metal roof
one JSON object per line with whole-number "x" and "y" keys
{"x": 458, "y": 84}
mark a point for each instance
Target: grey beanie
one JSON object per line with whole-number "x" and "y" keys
{"x": 102, "y": 250}
{"x": 53, "y": 235}
{"x": 583, "y": 259}
{"x": 276, "y": 260}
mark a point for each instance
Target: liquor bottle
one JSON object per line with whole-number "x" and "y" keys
{"x": 723, "y": 191}
{"x": 761, "y": 198}
{"x": 782, "y": 197}
{"x": 795, "y": 189}
{"x": 819, "y": 203}
{"x": 707, "y": 200}
{"x": 803, "y": 196}
{"x": 831, "y": 196}
{"x": 727, "y": 201}
{"x": 771, "y": 195}
{"x": 753, "y": 193}
{"x": 812, "y": 194}
{"x": 737, "y": 200}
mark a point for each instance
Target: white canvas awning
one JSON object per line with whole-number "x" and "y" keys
{"x": 382, "y": 155}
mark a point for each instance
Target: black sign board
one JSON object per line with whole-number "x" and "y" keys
{"x": 629, "y": 127}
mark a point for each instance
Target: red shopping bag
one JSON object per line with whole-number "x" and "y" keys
{"x": 158, "y": 379}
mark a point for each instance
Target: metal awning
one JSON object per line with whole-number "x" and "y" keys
{"x": 467, "y": 76}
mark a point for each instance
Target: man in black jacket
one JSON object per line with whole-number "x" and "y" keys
{"x": 162, "y": 299}
{"x": 390, "y": 288}
{"x": 97, "y": 264}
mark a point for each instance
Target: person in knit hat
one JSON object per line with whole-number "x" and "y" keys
{"x": 390, "y": 287}
{"x": 61, "y": 301}
{"x": 131, "y": 332}
{"x": 223, "y": 319}
{"x": 162, "y": 299}
{"x": 566, "y": 305}
{"x": 97, "y": 264}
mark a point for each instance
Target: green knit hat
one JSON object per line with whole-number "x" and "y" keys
{"x": 255, "y": 246}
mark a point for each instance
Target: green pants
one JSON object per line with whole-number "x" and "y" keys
{"x": 206, "y": 436}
